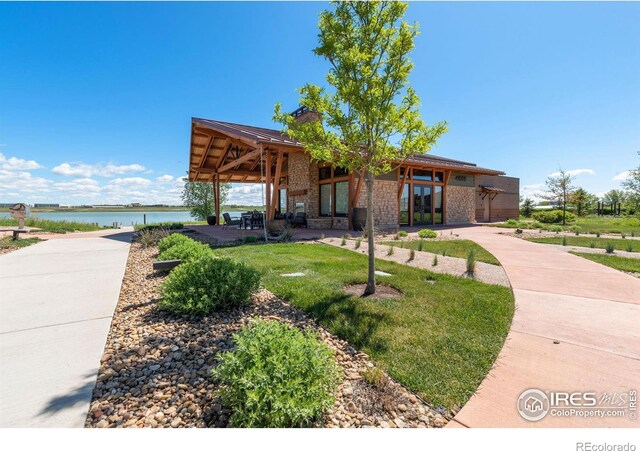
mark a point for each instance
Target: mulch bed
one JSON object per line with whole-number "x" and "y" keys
{"x": 155, "y": 371}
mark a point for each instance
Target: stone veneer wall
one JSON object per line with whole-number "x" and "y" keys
{"x": 300, "y": 176}
{"x": 505, "y": 205}
{"x": 385, "y": 202}
{"x": 460, "y": 205}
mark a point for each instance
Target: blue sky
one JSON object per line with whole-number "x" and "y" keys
{"x": 96, "y": 99}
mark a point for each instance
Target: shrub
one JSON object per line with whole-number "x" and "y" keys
{"x": 564, "y": 240}
{"x": 592, "y": 245}
{"x": 159, "y": 225}
{"x": 277, "y": 376}
{"x": 186, "y": 251}
{"x": 471, "y": 261}
{"x": 358, "y": 242}
{"x": 434, "y": 262}
{"x": 556, "y": 229}
{"x": 576, "y": 229}
{"x": 427, "y": 233}
{"x": 151, "y": 237}
{"x": 622, "y": 235}
{"x": 512, "y": 222}
{"x": 412, "y": 254}
{"x": 444, "y": 252}
{"x": 343, "y": 242}
{"x": 553, "y": 216}
{"x": 374, "y": 376}
{"x": 629, "y": 247}
{"x": 597, "y": 234}
{"x": 172, "y": 240}
{"x": 390, "y": 250}
{"x": 609, "y": 247}
{"x": 403, "y": 233}
{"x": 420, "y": 245}
{"x": 207, "y": 284}
{"x": 249, "y": 239}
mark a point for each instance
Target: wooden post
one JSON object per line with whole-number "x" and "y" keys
{"x": 268, "y": 186}
{"x": 276, "y": 185}
{"x": 217, "y": 197}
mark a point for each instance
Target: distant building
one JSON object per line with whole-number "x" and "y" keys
{"x": 135, "y": 204}
{"x": 46, "y": 205}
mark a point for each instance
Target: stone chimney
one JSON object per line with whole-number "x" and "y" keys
{"x": 304, "y": 114}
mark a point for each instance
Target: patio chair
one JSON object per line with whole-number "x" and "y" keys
{"x": 257, "y": 220}
{"x": 299, "y": 220}
{"x": 230, "y": 222}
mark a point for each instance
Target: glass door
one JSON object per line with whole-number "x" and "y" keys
{"x": 422, "y": 202}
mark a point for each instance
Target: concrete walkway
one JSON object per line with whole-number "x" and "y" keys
{"x": 576, "y": 328}
{"x": 56, "y": 302}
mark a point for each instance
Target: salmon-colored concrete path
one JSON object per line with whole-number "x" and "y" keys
{"x": 576, "y": 328}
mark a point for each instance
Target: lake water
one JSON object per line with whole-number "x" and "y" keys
{"x": 125, "y": 218}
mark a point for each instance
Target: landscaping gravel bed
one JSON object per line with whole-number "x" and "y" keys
{"x": 155, "y": 371}
{"x": 484, "y": 272}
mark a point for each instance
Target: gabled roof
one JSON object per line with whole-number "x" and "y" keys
{"x": 200, "y": 161}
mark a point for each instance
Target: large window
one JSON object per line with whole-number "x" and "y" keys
{"x": 422, "y": 197}
{"x": 325, "y": 199}
{"x": 342, "y": 198}
{"x": 334, "y": 191}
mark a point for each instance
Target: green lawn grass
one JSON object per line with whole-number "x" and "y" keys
{"x": 9, "y": 243}
{"x": 453, "y": 248}
{"x": 588, "y": 224}
{"x": 52, "y": 226}
{"x": 586, "y": 241}
{"x": 614, "y": 261}
{"x": 440, "y": 339}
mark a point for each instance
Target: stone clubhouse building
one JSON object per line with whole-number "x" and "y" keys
{"x": 425, "y": 190}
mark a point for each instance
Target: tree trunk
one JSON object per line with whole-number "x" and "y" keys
{"x": 371, "y": 280}
{"x": 564, "y": 212}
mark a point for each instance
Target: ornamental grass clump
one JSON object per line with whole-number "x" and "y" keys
{"x": 412, "y": 254}
{"x": 471, "y": 261}
{"x": 171, "y": 240}
{"x": 151, "y": 237}
{"x": 277, "y": 376}
{"x": 207, "y": 284}
{"x": 629, "y": 247}
{"x": 609, "y": 247}
{"x": 564, "y": 240}
{"x": 343, "y": 242}
{"x": 390, "y": 250}
{"x": 435, "y": 260}
{"x": 189, "y": 250}
{"x": 427, "y": 233}
{"x": 358, "y": 242}
{"x": 403, "y": 233}
{"x": 420, "y": 245}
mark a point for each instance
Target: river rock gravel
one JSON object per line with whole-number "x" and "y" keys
{"x": 155, "y": 371}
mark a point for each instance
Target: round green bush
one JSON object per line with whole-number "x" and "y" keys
{"x": 403, "y": 233}
{"x": 208, "y": 284}
{"x": 553, "y": 216}
{"x": 186, "y": 251}
{"x": 427, "y": 233}
{"x": 555, "y": 228}
{"x": 172, "y": 240}
{"x": 277, "y": 376}
{"x": 512, "y": 222}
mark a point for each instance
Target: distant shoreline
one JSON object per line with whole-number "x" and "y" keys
{"x": 134, "y": 209}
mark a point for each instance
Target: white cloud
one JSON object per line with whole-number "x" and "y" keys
{"x": 17, "y": 164}
{"x": 574, "y": 172}
{"x": 245, "y": 194}
{"x": 88, "y": 170}
{"x": 622, "y": 176}
{"x": 130, "y": 181}
{"x": 164, "y": 178}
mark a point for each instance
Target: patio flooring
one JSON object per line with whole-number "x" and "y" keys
{"x": 229, "y": 234}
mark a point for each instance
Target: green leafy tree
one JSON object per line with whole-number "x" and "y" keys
{"x": 632, "y": 185}
{"x": 526, "y": 208}
{"x": 615, "y": 196}
{"x": 370, "y": 120}
{"x": 198, "y": 196}
{"x": 559, "y": 191}
{"x": 582, "y": 201}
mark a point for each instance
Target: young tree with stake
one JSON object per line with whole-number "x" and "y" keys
{"x": 370, "y": 121}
